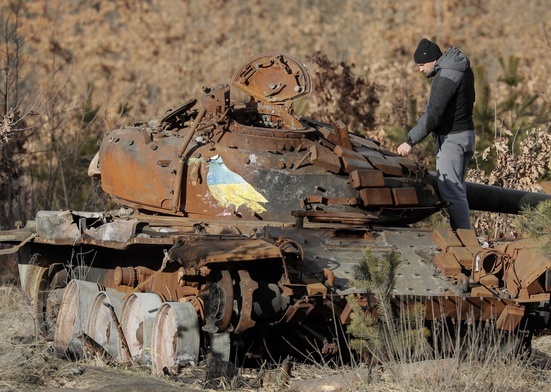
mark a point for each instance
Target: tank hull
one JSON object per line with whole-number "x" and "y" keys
{"x": 245, "y": 281}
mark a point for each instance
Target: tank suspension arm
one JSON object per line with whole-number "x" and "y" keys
{"x": 181, "y": 160}
{"x": 490, "y": 198}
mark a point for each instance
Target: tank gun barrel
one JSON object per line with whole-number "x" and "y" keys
{"x": 496, "y": 199}
{"x": 490, "y": 198}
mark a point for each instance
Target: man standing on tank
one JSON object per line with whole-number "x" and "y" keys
{"x": 448, "y": 117}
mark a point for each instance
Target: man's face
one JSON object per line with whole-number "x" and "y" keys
{"x": 426, "y": 67}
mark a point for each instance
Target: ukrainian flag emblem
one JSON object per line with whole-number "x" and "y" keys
{"x": 230, "y": 189}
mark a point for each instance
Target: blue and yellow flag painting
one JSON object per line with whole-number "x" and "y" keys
{"x": 229, "y": 188}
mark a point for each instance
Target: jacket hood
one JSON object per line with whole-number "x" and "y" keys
{"x": 453, "y": 59}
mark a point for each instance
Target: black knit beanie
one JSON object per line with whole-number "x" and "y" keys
{"x": 426, "y": 52}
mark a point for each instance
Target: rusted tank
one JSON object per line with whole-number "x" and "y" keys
{"x": 239, "y": 228}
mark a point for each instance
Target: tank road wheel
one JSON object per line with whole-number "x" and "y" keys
{"x": 176, "y": 337}
{"x": 102, "y": 325}
{"x": 73, "y": 316}
{"x": 36, "y": 284}
{"x": 137, "y": 319}
{"x": 39, "y": 291}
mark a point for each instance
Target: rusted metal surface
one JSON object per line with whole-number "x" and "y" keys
{"x": 247, "y": 286}
{"x": 242, "y": 220}
{"x": 203, "y": 250}
{"x": 510, "y": 318}
{"x": 220, "y": 302}
{"x": 103, "y": 325}
{"x": 405, "y": 196}
{"x": 367, "y": 179}
{"x": 514, "y": 270}
{"x": 273, "y": 78}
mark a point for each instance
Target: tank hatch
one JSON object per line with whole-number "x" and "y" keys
{"x": 275, "y": 78}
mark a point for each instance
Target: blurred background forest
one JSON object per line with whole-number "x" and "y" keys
{"x": 68, "y": 64}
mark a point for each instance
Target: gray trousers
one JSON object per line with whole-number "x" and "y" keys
{"x": 453, "y": 152}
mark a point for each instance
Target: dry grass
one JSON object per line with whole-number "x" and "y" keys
{"x": 449, "y": 375}
{"x": 465, "y": 371}
{"x": 23, "y": 358}
{"x": 10, "y": 299}
{"x": 28, "y": 362}
{"x": 462, "y": 357}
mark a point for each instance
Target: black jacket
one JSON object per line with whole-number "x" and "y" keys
{"x": 451, "y": 100}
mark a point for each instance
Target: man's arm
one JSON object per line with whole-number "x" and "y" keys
{"x": 441, "y": 92}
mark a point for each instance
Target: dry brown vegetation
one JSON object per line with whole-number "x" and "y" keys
{"x": 28, "y": 362}
{"x": 65, "y": 65}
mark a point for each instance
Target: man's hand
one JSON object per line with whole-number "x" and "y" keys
{"x": 404, "y": 149}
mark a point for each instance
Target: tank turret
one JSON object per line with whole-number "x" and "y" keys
{"x": 257, "y": 161}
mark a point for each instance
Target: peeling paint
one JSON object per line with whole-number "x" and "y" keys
{"x": 230, "y": 189}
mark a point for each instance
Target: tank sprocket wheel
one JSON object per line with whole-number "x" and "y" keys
{"x": 219, "y": 305}
{"x": 40, "y": 293}
{"x": 37, "y": 285}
